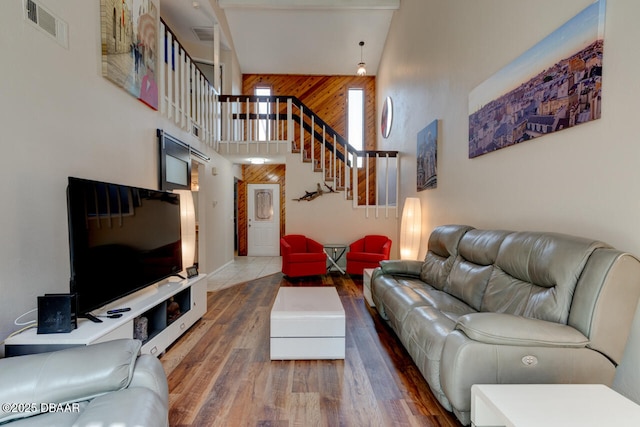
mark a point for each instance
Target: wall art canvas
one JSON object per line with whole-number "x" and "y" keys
{"x": 555, "y": 85}
{"x": 130, "y": 46}
{"x": 427, "y": 176}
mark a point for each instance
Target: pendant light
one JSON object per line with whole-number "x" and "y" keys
{"x": 362, "y": 71}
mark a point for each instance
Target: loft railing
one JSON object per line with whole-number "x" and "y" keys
{"x": 259, "y": 124}
{"x": 186, "y": 96}
{"x": 252, "y": 124}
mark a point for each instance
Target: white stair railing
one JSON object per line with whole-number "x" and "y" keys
{"x": 372, "y": 187}
{"x": 186, "y": 96}
{"x": 258, "y": 124}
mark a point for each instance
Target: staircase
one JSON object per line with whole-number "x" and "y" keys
{"x": 276, "y": 125}
{"x": 263, "y": 126}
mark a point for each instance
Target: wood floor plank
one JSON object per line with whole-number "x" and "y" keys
{"x": 220, "y": 373}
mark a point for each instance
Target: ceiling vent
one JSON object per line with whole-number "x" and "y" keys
{"x": 46, "y": 21}
{"x": 204, "y": 34}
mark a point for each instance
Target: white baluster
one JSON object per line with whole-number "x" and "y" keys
{"x": 162, "y": 81}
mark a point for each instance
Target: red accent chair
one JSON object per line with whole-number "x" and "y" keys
{"x": 367, "y": 253}
{"x": 302, "y": 256}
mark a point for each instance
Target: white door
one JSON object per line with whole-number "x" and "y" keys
{"x": 263, "y": 212}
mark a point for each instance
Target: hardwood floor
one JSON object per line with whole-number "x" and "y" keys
{"x": 220, "y": 374}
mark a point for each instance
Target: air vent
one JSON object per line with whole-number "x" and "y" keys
{"x": 46, "y": 21}
{"x": 204, "y": 34}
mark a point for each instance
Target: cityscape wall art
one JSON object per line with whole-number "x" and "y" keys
{"x": 427, "y": 157}
{"x": 129, "y": 32}
{"x": 555, "y": 85}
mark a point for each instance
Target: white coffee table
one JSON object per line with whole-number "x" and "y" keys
{"x": 551, "y": 405}
{"x": 307, "y": 323}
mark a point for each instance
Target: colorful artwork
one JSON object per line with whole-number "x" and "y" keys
{"x": 555, "y": 85}
{"x": 130, "y": 46}
{"x": 427, "y": 176}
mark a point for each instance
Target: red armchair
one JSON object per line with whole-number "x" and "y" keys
{"x": 302, "y": 256}
{"x": 367, "y": 253}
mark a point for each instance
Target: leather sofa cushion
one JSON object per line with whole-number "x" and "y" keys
{"x": 473, "y": 266}
{"x": 441, "y": 254}
{"x": 536, "y": 275}
{"x": 71, "y": 375}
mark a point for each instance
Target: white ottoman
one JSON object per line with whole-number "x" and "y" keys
{"x": 307, "y": 323}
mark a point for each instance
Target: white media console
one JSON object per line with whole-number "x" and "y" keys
{"x": 150, "y": 303}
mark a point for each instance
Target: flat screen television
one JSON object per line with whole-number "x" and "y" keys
{"x": 121, "y": 239}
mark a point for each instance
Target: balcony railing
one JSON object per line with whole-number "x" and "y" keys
{"x": 255, "y": 125}
{"x": 186, "y": 96}
{"x": 235, "y": 124}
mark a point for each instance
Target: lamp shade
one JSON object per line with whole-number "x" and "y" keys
{"x": 188, "y": 227}
{"x": 410, "y": 228}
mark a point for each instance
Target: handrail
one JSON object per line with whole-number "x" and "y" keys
{"x": 175, "y": 37}
{"x": 307, "y": 112}
{"x": 296, "y": 101}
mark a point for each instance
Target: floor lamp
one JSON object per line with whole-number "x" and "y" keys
{"x": 410, "y": 228}
{"x": 188, "y": 226}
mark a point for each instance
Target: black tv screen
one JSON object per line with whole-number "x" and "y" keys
{"x": 121, "y": 240}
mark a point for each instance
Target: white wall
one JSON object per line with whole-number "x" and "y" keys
{"x": 59, "y": 117}
{"x": 584, "y": 180}
{"x": 330, "y": 218}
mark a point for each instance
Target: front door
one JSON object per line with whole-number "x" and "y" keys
{"x": 263, "y": 219}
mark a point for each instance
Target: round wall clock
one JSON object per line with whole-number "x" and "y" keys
{"x": 386, "y": 120}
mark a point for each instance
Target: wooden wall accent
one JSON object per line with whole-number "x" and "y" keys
{"x": 258, "y": 174}
{"x": 325, "y": 95}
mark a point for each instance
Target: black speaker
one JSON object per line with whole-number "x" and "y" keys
{"x": 57, "y": 313}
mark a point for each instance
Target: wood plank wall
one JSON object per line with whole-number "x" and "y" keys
{"x": 258, "y": 174}
{"x": 325, "y": 95}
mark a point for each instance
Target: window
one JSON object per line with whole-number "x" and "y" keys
{"x": 263, "y": 108}
{"x": 355, "y": 119}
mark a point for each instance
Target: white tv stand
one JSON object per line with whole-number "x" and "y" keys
{"x": 151, "y": 302}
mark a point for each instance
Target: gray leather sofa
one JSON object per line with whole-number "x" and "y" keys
{"x": 498, "y": 307}
{"x": 105, "y": 384}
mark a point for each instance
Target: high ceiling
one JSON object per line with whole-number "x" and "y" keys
{"x": 293, "y": 36}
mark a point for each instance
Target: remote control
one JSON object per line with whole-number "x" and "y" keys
{"x": 118, "y": 310}
{"x": 92, "y": 318}
{"x": 113, "y": 316}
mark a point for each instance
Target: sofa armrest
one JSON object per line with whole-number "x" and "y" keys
{"x": 386, "y": 249}
{"x": 401, "y": 267}
{"x": 508, "y": 329}
{"x": 71, "y": 375}
{"x": 137, "y": 406}
{"x": 148, "y": 373}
